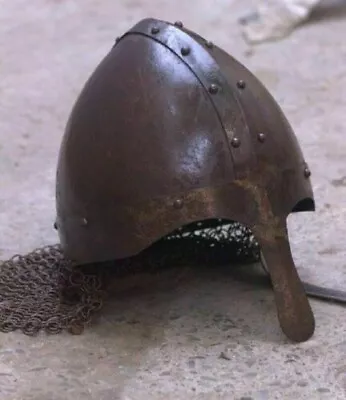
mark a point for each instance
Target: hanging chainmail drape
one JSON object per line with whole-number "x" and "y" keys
{"x": 44, "y": 291}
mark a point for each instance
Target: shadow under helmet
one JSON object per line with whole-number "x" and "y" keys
{"x": 168, "y": 131}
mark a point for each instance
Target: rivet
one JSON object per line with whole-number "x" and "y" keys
{"x": 84, "y": 222}
{"x": 235, "y": 142}
{"x": 155, "y": 30}
{"x": 117, "y": 39}
{"x": 261, "y": 137}
{"x": 185, "y": 51}
{"x": 241, "y": 84}
{"x": 209, "y": 44}
{"x": 213, "y": 89}
{"x": 178, "y": 203}
{"x": 55, "y": 226}
{"x": 307, "y": 172}
{"x": 179, "y": 24}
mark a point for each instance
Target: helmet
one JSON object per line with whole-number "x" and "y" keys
{"x": 170, "y": 130}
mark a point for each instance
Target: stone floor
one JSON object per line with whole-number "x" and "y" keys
{"x": 48, "y": 48}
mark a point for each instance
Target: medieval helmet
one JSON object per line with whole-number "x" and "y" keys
{"x": 171, "y": 130}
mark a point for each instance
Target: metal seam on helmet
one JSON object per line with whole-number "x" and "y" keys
{"x": 202, "y": 78}
{"x": 228, "y": 139}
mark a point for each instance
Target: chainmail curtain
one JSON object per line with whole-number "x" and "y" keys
{"x": 44, "y": 291}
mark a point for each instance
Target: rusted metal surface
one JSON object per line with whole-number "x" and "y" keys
{"x": 169, "y": 130}
{"x": 294, "y": 311}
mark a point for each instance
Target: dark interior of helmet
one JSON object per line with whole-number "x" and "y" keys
{"x": 213, "y": 242}
{"x": 307, "y": 204}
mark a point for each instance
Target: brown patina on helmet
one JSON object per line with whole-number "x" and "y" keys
{"x": 171, "y": 130}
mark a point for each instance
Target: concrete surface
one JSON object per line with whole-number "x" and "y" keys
{"x": 166, "y": 344}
